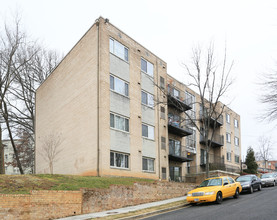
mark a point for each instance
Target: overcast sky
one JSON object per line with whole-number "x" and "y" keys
{"x": 170, "y": 29}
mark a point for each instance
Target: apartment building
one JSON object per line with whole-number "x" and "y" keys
{"x": 116, "y": 109}
{"x": 9, "y": 159}
{"x": 267, "y": 166}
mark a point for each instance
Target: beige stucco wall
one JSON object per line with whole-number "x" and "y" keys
{"x": 66, "y": 105}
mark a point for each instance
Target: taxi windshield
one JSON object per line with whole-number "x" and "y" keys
{"x": 211, "y": 182}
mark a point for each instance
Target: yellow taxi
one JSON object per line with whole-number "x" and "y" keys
{"x": 214, "y": 190}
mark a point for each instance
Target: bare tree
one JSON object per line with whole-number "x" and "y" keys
{"x": 269, "y": 96}
{"x": 12, "y": 42}
{"x": 51, "y": 148}
{"x": 265, "y": 148}
{"x": 25, "y": 84}
{"x": 24, "y": 65}
{"x": 211, "y": 80}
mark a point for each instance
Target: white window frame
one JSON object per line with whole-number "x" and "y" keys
{"x": 125, "y": 129}
{"x": 150, "y": 131}
{"x": 123, "y": 163}
{"x": 119, "y": 50}
{"x": 236, "y": 157}
{"x": 228, "y": 156}
{"x": 236, "y": 140}
{"x": 190, "y": 97}
{"x": 114, "y": 86}
{"x": 149, "y": 99}
{"x": 236, "y": 123}
{"x": 228, "y": 137}
{"x": 227, "y": 118}
{"x": 149, "y": 165}
{"x": 149, "y": 67}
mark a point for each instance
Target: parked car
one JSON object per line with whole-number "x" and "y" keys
{"x": 249, "y": 183}
{"x": 275, "y": 177}
{"x": 268, "y": 179}
{"x": 214, "y": 190}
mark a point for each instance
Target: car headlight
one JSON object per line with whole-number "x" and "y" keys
{"x": 246, "y": 185}
{"x": 209, "y": 193}
{"x": 189, "y": 194}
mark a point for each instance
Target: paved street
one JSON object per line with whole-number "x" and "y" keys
{"x": 259, "y": 205}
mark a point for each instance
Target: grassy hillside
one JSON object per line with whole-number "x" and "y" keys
{"x": 22, "y": 184}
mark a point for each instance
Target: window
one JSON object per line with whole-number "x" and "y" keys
{"x": 162, "y": 83}
{"x": 162, "y": 112}
{"x": 119, "y": 160}
{"x": 190, "y": 100}
{"x": 174, "y": 147}
{"x": 147, "y": 67}
{"x": 236, "y": 159}
{"x": 231, "y": 180}
{"x": 163, "y": 173}
{"x": 236, "y": 141}
{"x": 228, "y": 118}
{"x": 119, "y": 49}
{"x": 119, "y": 122}
{"x": 225, "y": 181}
{"x": 203, "y": 157}
{"x": 228, "y": 137}
{"x": 148, "y": 164}
{"x": 176, "y": 93}
{"x": 236, "y": 123}
{"x": 175, "y": 173}
{"x": 163, "y": 143}
{"x": 6, "y": 156}
{"x": 148, "y": 131}
{"x": 119, "y": 86}
{"x": 16, "y": 170}
{"x": 229, "y": 156}
{"x": 191, "y": 141}
{"x": 147, "y": 99}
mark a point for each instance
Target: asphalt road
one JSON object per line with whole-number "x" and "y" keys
{"x": 259, "y": 205}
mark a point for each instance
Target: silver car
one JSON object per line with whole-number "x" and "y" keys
{"x": 268, "y": 179}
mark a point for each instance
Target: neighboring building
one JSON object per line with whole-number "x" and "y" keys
{"x": 104, "y": 101}
{"x": 9, "y": 157}
{"x": 267, "y": 166}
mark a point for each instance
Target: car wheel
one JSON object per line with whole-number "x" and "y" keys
{"x": 236, "y": 193}
{"x": 260, "y": 187}
{"x": 218, "y": 198}
{"x": 251, "y": 190}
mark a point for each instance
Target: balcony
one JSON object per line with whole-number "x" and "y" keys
{"x": 177, "y": 100}
{"x": 178, "y": 129}
{"x": 217, "y": 141}
{"x": 178, "y": 153}
{"x": 216, "y": 119}
{"x": 191, "y": 146}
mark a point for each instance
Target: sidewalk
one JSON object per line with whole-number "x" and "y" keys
{"x": 127, "y": 209}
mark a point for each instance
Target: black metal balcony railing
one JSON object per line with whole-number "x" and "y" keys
{"x": 213, "y": 159}
{"x": 217, "y": 141}
{"x": 178, "y": 153}
{"x": 178, "y": 100}
{"x": 176, "y": 125}
{"x": 191, "y": 146}
{"x": 212, "y": 166}
{"x": 214, "y": 117}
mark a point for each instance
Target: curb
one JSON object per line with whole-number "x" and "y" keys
{"x": 154, "y": 212}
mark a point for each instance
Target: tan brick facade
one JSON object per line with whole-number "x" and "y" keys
{"x": 78, "y": 102}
